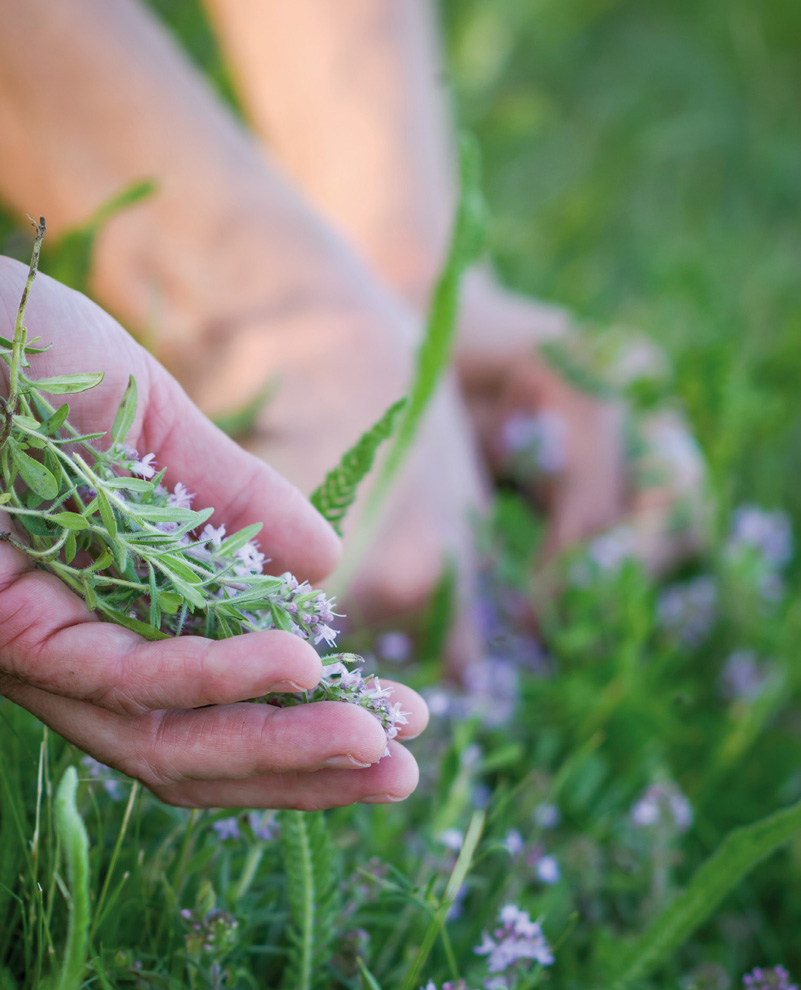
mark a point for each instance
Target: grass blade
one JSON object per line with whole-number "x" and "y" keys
{"x": 737, "y": 855}
{"x": 455, "y": 881}
{"x": 434, "y": 353}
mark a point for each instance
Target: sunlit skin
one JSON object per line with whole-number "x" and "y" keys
{"x": 170, "y": 713}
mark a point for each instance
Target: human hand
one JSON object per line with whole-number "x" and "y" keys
{"x": 588, "y": 485}
{"x": 141, "y": 706}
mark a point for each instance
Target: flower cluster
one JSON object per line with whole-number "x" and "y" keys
{"x": 776, "y": 978}
{"x": 742, "y": 677}
{"x": 342, "y": 683}
{"x": 534, "y": 444}
{"x": 517, "y": 938}
{"x": 688, "y": 611}
{"x": 230, "y": 568}
{"x": 662, "y": 805}
{"x": 214, "y": 931}
{"x": 769, "y": 533}
{"x": 262, "y": 824}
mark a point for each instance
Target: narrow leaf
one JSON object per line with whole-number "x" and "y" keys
{"x": 52, "y": 425}
{"x": 106, "y": 514}
{"x": 737, "y": 855}
{"x": 126, "y": 413}
{"x": 434, "y": 352}
{"x": 70, "y": 520}
{"x": 240, "y": 538}
{"x": 121, "y": 619}
{"x": 35, "y": 475}
{"x": 68, "y": 384}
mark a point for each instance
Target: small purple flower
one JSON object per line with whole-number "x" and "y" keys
{"x": 547, "y": 816}
{"x": 394, "y": 646}
{"x": 742, "y": 677}
{"x": 611, "y": 550}
{"x": 662, "y": 804}
{"x": 143, "y": 466}
{"x": 535, "y": 443}
{"x": 517, "y": 938}
{"x": 548, "y": 869}
{"x": 181, "y": 497}
{"x": 688, "y": 611}
{"x": 249, "y": 558}
{"x": 264, "y": 825}
{"x": 226, "y": 828}
{"x": 768, "y": 532}
{"x": 513, "y": 842}
{"x": 213, "y": 535}
{"x": 775, "y": 978}
{"x": 452, "y": 838}
{"x": 100, "y": 772}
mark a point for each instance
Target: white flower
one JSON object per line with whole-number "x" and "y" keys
{"x": 324, "y": 632}
{"x": 213, "y": 535}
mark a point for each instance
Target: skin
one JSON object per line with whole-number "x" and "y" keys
{"x": 136, "y": 705}
{"x": 308, "y": 263}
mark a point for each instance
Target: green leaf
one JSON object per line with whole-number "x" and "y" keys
{"x": 89, "y": 594}
{"x": 338, "y": 492}
{"x": 369, "y": 980}
{"x": 70, "y": 259}
{"x": 735, "y": 857}
{"x": 237, "y": 540}
{"x": 52, "y": 425}
{"x": 106, "y": 514}
{"x": 169, "y": 513}
{"x": 449, "y": 895}
{"x": 239, "y": 422}
{"x": 35, "y": 475}
{"x": 70, "y": 547}
{"x": 155, "y": 611}
{"x": 129, "y": 484}
{"x": 75, "y": 845}
{"x": 313, "y": 892}
{"x": 435, "y": 349}
{"x": 169, "y": 602}
{"x": 68, "y": 384}
{"x": 70, "y": 520}
{"x": 102, "y": 562}
{"x": 126, "y": 413}
{"x": 135, "y": 625}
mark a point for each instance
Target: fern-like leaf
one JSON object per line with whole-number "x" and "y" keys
{"x": 338, "y": 492}
{"x": 313, "y": 895}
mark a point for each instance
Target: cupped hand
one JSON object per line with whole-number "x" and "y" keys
{"x": 170, "y": 713}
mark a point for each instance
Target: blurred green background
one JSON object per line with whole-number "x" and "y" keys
{"x": 642, "y": 167}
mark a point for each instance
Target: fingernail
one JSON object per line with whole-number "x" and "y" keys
{"x": 346, "y": 762}
{"x": 381, "y": 799}
{"x": 287, "y": 687}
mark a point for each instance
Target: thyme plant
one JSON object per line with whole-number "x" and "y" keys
{"x": 103, "y": 521}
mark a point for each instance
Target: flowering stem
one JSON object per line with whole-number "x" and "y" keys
{"x": 455, "y": 881}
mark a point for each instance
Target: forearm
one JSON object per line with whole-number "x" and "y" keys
{"x": 351, "y": 98}
{"x": 93, "y": 96}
